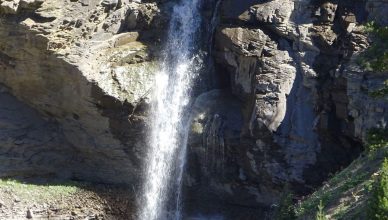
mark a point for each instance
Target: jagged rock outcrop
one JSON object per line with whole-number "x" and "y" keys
{"x": 291, "y": 65}
{"x": 364, "y": 110}
{"x": 89, "y": 67}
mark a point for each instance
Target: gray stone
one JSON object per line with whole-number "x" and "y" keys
{"x": 326, "y": 12}
{"x": 30, "y": 214}
{"x": 111, "y": 4}
{"x": 239, "y": 49}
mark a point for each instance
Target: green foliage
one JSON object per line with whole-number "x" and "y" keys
{"x": 381, "y": 92}
{"x": 376, "y": 139}
{"x": 378, "y": 203}
{"x": 341, "y": 183}
{"x": 380, "y": 32}
{"x": 320, "y": 213}
{"x": 27, "y": 191}
{"x": 376, "y": 57}
{"x": 286, "y": 209}
{"x": 345, "y": 195}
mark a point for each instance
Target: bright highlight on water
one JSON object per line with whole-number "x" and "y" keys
{"x": 166, "y": 155}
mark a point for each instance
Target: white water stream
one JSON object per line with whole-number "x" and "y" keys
{"x": 166, "y": 155}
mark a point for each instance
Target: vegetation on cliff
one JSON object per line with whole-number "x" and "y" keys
{"x": 376, "y": 139}
{"x": 378, "y": 203}
{"x": 360, "y": 191}
{"x": 380, "y": 93}
{"x": 375, "y": 58}
{"x": 346, "y": 195}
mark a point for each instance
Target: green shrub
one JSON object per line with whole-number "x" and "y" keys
{"x": 376, "y": 139}
{"x": 378, "y": 203}
{"x": 381, "y": 92}
{"x": 286, "y": 209}
{"x": 376, "y": 57}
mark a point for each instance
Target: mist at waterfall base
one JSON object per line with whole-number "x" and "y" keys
{"x": 165, "y": 160}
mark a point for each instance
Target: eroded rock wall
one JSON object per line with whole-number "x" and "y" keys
{"x": 303, "y": 106}
{"x": 88, "y": 66}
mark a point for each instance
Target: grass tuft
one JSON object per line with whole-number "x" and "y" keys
{"x": 39, "y": 192}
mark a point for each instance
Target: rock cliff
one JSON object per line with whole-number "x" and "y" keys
{"x": 304, "y": 108}
{"x": 87, "y": 67}
{"x": 285, "y": 101}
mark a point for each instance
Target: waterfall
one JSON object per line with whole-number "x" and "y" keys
{"x": 213, "y": 25}
{"x": 166, "y": 156}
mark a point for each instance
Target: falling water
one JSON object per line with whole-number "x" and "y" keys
{"x": 165, "y": 159}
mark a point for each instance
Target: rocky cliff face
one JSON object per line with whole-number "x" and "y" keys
{"x": 88, "y": 67}
{"x": 299, "y": 108}
{"x": 287, "y": 102}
